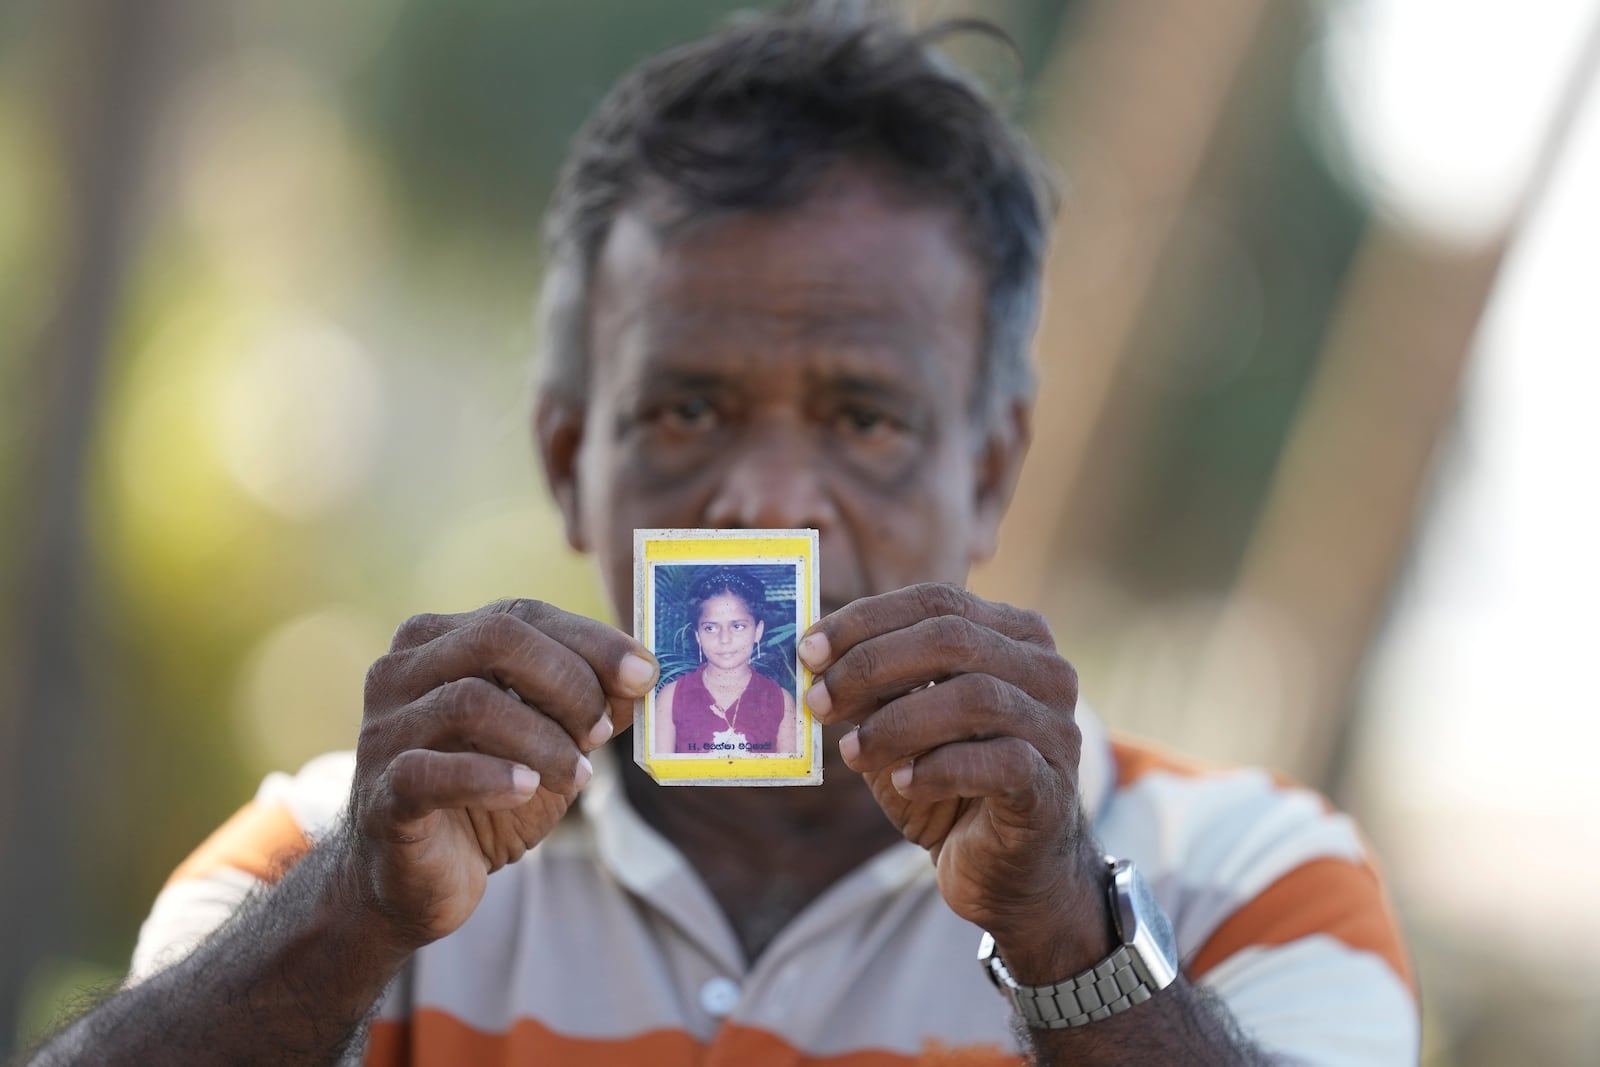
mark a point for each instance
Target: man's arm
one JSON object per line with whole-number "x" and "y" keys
{"x": 473, "y": 734}
{"x": 981, "y": 769}
{"x": 290, "y": 979}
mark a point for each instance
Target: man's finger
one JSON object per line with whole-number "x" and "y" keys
{"x": 428, "y": 626}
{"x": 420, "y": 781}
{"x": 471, "y": 714}
{"x": 972, "y": 707}
{"x": 832, "y": 637}
{"x": 626, "y": 669}
{"x": 587, "y": 688}
{"x": 882, "y": 668}
{"x": 1006, "y": 770}
{"x": 418, "y": 630}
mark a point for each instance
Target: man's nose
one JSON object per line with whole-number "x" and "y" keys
{"x": 773, "y": 479}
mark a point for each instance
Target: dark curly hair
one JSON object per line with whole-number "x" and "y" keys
{"x": 746, "y": 587}
{"x": 751, "y": 116}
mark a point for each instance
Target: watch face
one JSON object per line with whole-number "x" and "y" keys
{"x": 1151, "y": 919}
{"x": 1142, "y": 924}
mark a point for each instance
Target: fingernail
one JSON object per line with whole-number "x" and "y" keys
{"x": 524, "y": 780}
{"x": 818, "y": 701}
{"x": 636, "y": 674}
{"x": 585, "y": 771}
{"x": 814, "y": 651}
{"x": 850, "y": 746}
{"x": 901, "y": 777}
{"x": 601, "y": 732}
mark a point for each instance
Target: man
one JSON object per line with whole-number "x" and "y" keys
{"x": 794, "y": 270}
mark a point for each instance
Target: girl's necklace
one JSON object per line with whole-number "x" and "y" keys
{"x": 726, "y": 710}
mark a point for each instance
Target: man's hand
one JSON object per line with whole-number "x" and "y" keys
{"x": 966, "y": 736}
{"x": 472, "y": 747}
{"x": 473, "y": 743}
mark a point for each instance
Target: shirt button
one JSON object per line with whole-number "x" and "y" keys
{"x": 719, "y": 997}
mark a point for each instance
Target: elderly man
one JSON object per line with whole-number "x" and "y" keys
{"x": 794, "y": 273}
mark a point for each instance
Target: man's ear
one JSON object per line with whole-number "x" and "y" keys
{"x": 999, "y": 463}
{"x": 558, "y": 424}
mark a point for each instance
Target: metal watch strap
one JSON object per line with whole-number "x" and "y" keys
{"x": 1116, "y": 984}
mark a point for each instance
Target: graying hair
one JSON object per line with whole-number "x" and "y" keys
{"x": 747, "y": 118}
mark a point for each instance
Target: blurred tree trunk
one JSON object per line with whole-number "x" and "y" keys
{"x": 1134, "y": 100}
{"x": 112, "y": 58}
{"x": 1345, "y": 500}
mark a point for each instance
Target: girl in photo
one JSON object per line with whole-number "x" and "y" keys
{"x": 726, "y": 706}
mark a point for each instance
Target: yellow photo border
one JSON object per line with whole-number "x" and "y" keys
{"x": 711, "y": 546}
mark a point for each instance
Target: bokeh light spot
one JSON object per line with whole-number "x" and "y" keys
{"x": 300, "y": 689}
{"x": 298, "y": 418}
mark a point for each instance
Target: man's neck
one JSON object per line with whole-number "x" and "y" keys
{"x": 765, "y": 854}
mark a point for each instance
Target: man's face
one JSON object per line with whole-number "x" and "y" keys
{"x": 808, "y": 368}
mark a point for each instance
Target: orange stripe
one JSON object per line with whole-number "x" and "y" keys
{"x": 261, "y": 839}
{"x": 436, "y": 1037}
{"x": 1137, "y": 758}
{"x": 737, "y": 1046}
{"x": 1338, "y": 898}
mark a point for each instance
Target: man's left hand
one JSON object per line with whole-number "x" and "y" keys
{"x": 966, "y": 736}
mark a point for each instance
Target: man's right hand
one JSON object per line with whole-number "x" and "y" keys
{"x": 472, "y": 747}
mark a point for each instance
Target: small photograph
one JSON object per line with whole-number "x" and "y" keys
{"x": 723, "y": 610}
{"x": 725, "y": 635}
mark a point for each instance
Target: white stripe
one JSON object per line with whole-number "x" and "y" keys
{"x": 316, "y": 796}
{"x": 185, "y": 914}
{"x": 1322, "y": 1002}
{"x": 1097, "y": 779}
{"x": 1210, "y": 844}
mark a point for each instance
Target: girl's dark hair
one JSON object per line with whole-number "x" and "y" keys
{"x": 750, "y": 117}
{"x": 726, "y": 580}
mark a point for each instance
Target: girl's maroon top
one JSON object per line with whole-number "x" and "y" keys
{"x": 757, "y": 714}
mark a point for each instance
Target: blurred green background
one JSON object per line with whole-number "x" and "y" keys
{"x": 266, "y": 280}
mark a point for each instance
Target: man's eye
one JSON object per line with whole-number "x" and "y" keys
{"x": 689, "y": 413}
{"x": 866, "y": 422}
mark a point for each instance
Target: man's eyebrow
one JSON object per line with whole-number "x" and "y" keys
{"x": 884, "y": 383}
{"x": 657, "y": 376}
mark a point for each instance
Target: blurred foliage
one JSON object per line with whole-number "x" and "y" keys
{"x": 1242, "y": 304}
{"x": 313, "y": 421}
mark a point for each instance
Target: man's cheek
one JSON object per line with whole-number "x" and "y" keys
{"x": 645, "y": 498}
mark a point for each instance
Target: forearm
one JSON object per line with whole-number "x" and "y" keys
{"x": 291, "y": 979}
{"x": 1182, "y": 1024}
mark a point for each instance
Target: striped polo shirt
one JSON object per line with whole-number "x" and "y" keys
{"x": 602, "y": 946}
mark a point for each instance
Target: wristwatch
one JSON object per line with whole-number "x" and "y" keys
{"x": 1145, "y": 963}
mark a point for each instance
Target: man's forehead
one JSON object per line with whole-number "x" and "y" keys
{"x": 856, "y": 269}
